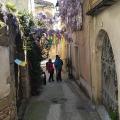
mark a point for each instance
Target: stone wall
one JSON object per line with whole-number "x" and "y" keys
{"x": 7, "y": 88}
{"x": 80, "y": 53}
{"x": 107, "y": 20}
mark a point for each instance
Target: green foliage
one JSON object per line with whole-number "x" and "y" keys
{"x": 2, "y": 24}
{"x": 41, "y": 23}
{"x": 11, "y": 6}
{"x": 113, "y": 115}
{"x": 27, "y": 44}
{"x": 36, "y": 52}
{"x": 26, "y": 22}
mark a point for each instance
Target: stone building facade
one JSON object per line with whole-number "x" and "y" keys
{"x": 104, "y": 40}
{"x": 14, "y": 82}
{"x": 8, "y": 109}
{"x": 23, "y": 4}
{"x": 94, "y": 52}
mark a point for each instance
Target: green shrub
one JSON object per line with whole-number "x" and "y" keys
{"x": 113, "y": 115}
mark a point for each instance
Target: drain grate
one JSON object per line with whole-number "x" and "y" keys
{"x": 81, "y": 108}
{"x": 63, "y": 99}
{"x": 58, "y": 100}
{"x": 86, "y": 108}
{"x": 55, "y": 101}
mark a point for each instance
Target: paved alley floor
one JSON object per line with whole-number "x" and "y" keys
{"x": 61, "y": 101}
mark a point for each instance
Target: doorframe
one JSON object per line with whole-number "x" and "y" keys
{"x": 98, "y": 66}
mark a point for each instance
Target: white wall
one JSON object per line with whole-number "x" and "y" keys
{"x": 4, "y": 72}
{"x": 31, "y": 6}
{"x": 23, "y": 4}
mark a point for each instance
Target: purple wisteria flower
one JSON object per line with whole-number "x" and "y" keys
{"x": 71, "y": 13}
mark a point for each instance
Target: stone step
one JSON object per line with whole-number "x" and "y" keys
{"x": 102, "y": 112}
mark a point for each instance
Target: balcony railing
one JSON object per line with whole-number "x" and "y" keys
{"x": 96, "y": 6}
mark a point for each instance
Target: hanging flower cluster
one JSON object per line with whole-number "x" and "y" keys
{"x": 54, "y": 37}
{"x": 22, "y": 22}
{"x": 43, "y": 18}
{"x": 71, "y": 13}
{"x": 8, "y": 11}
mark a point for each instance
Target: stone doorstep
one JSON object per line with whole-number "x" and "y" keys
{"x": 81, "y": 84}
{"x": 100, "y": 109}
{"x": 102, "y": 112}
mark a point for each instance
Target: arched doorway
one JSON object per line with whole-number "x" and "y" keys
{"x": 107, "y": 73}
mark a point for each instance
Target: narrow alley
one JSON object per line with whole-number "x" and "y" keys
{"x": 61, "y": 101}
{"x": 59, "y": 60}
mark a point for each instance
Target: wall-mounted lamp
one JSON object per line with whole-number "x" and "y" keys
{"x": 57, "y": 6}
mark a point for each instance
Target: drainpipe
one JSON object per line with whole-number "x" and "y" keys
{"x": 90, "y": 57}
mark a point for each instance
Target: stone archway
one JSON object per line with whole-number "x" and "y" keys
{"x": 106, "y": 71}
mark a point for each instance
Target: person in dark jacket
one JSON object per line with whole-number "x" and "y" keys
{"x": 58, "y": 66}
{"x": 50, "y": 69}
{"x": 43, "y": 78}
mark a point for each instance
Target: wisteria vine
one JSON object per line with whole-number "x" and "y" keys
{"x": 71, "y": 13}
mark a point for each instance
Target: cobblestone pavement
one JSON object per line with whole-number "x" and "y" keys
{"x": 61, "y": 101}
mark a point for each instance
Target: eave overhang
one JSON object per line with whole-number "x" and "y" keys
{"x": 100, "y": 6}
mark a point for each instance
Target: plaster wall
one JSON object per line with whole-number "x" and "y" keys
{"x": 4, "y": 72}
{"x": 3, "y": 1}
{"x": 23, "y": 4}
{"x": 48, "y": 11}
{"x": 81, "y": 61}
{"x": 108, "y": 20}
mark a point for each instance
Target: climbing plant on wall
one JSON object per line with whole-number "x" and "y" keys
{"x": 71, "y": 13}
{"x": 36, "y": 50}
{"x": 30, "y": 43}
